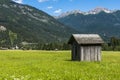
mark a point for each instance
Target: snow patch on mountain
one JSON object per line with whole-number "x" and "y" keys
{"x": 94, "y": 11}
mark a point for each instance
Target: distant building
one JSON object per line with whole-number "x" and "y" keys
{"x": 16, "y": 47}
{"x": 86, "y": 47}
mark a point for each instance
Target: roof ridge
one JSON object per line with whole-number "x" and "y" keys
{"x": 86, "y": 39}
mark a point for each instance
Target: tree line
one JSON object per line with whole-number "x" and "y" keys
{"x": 112, "y": 45}
{"x": 9, "y": 41}
{"x": 46, "y": 46}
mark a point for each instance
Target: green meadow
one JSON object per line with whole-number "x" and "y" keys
{"x": 56, "y": 65}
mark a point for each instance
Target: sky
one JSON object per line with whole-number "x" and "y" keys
{"x": 56, "y": 7}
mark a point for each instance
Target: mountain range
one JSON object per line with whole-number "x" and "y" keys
{"x": 30, "y": 24}
{"x": 35, "y": 26}
{"x": 99, "y": 21}
{"x": 94, "y": 11}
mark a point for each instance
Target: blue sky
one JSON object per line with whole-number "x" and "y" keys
{"x": 56, "y": 7}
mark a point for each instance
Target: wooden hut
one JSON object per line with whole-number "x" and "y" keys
{"x": 86, "y": 47}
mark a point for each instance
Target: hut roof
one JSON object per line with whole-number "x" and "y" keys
{"x": 86, "y": 39}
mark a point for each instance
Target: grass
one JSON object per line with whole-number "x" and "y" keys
{"x": 56, "y": 65}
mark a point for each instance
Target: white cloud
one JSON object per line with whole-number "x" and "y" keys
{"x": 58, "y": 11}
{"x": 18, "y": 1}
{"x": 49, "y": 7}
{"x": 42, "y": 0}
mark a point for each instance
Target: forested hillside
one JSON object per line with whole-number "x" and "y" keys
{"x": 30, "y": 25}
{"x": 105, "y": 24}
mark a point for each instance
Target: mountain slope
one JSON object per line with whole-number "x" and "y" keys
{"x": 31, "y": 24}
{"x": 105, "y": 24}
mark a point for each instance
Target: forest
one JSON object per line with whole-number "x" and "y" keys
{"x": 9, "y": 40}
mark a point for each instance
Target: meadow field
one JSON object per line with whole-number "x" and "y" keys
{"x": 56, "y": 65}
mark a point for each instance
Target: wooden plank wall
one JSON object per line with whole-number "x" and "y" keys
{"x": 81, "y": 53}
{"x": 99, "y": 53}
{"x": 90, "y": 53}
{"x": 73, "y": 52}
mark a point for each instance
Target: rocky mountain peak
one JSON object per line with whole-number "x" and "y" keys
{"x": 94, "y": 11}
{"x": 99, "y": 9}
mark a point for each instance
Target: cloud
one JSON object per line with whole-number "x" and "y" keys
{"x": 42, "y": 0}
{"x": 49, "y": 7}
{"x": 58, "y": 11}
{"x": 18, "y": 1}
